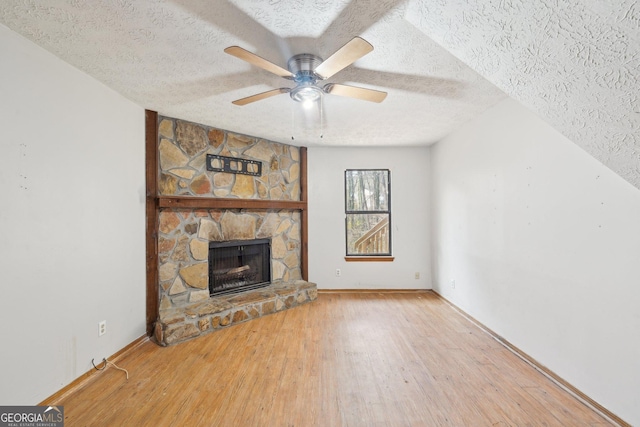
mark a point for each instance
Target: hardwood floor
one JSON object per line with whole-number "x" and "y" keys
{"x": 348, "y": 359}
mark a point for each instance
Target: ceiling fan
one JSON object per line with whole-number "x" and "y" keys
{"x": 306, "y": 70}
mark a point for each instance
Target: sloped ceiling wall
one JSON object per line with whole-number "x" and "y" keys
{"x": 575, "y": 63}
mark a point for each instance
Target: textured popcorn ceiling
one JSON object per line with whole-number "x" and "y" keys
{"x": 575, "y": 63}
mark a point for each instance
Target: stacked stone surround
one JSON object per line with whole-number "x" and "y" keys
{"x": 184, "y": 234}
{"x": 183, "y": 149}
{"x": 183, "y": 248}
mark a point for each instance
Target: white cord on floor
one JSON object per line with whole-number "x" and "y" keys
{"x": 117, "y": 367}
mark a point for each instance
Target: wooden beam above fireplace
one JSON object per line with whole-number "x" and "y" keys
{"x": 192, "y": 202}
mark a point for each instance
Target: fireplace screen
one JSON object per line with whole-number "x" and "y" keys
{"x": 239, "y": 265}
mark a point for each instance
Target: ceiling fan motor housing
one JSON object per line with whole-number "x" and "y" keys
{"x": 302, "y": 66}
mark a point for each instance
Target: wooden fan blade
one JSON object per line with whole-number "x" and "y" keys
{"x": 355, "y": 92}
{"x": 355, "y": 49}
{"x": 261, "y": 96}
{"x": 258, "y": 61}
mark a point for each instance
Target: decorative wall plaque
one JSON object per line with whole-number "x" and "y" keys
{"x": 217, "y": 163}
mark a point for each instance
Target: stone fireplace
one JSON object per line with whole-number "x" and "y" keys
{"x": 188, "y": 307}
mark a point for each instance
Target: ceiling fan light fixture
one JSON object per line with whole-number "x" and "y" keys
{"x": 306, "y": 93}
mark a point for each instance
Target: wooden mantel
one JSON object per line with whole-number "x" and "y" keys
{"x": 154, "y": 203}
{"x": 191, "y": 202}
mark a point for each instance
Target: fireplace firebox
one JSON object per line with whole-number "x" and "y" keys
{"x": 239, "y": 265}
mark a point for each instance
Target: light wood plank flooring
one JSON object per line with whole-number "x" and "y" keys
{"x": 348, "y": 359}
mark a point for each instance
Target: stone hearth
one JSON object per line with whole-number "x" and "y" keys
{"x": 193, "y": 320}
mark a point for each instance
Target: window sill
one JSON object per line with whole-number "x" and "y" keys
{"x": 369, "y": 258}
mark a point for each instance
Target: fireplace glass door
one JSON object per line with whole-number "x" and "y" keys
{"x": 239, "y": 265}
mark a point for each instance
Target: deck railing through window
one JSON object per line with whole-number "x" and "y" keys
{"x": 376, "y": 240}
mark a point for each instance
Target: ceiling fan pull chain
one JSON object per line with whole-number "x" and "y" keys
{"x": 293, "y": 122}
{"x": 321, "y": 118}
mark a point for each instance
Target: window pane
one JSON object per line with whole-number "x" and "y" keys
{"x": 368, "y": 234}
{"x": 367, "y": 190}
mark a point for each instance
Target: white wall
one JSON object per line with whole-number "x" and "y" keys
{"x": 543, "y": 243}
{"x": 71, "y": 221}
{"x": 410, "y": 223}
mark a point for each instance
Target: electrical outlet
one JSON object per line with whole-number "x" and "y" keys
{"x": 453, "y": 284}
{"x": 417, "y": 275}
{"x": 102, "y": 328}
{"x": 338, "y": 272}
